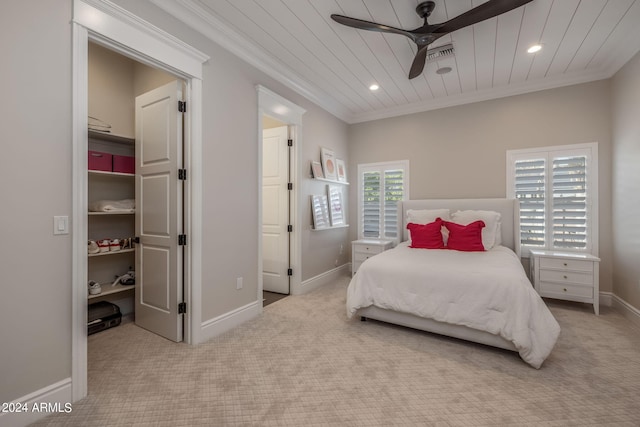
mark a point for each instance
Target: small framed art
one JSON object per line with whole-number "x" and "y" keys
{"x": 336, "y": 214}
{"x": 320, "y": 212}
{"x": 341, "y": 170}
{"x": 328, "y": 163}
{"x": 316, "y": 170}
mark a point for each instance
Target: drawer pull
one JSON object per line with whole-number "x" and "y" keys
{"x": 367, "y": 247}
{"x": 564, "y": 263}
{"x": 564, "y": 289}
{"x": 564, "y": 277}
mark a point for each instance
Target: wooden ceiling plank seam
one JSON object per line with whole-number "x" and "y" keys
{"x": 316, "y": 23}
{"x": 540, "y": 40}
{"x": 584, "y": 39}
{"x": 463, "y": 44}
{"x": 560, "y": 16}
{"x": 507, "y": 41}
{"x": 316, "y": 47}
{"x": 396, "y": 44}
{"x": 533, "y": 22}
{"x": 582, "y": 20}
{"x": 356, "y": 45}
{"x": 615, "y": 52}
{"x": 370, "y": 39}
{"x": 284, "y": 53}
{"x": 275, "y": 30}
{"x": 609, "y": 19}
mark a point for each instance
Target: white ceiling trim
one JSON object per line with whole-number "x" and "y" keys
{"x": 201, "y": 20}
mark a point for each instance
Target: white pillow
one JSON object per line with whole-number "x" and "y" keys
{"x": 490, "y": 219}
{"x": 426, "y": 216}
{"x": 498, "y": 241}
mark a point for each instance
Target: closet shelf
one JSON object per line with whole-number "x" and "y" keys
{"x": 108, "y": 289}
{"x": 121, "y": 251}
{"x": 110, "y": 213}
{"x": 105, "y": 173}
{"x": 111, "y": 137}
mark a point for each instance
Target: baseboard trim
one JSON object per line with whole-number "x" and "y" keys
{"x": 627, "y": 310}
{"x": 605, "y": 298}
{"x": 221, "y": 324}
{"x": 59, "y": 393}
{"x": 321, "y": 279}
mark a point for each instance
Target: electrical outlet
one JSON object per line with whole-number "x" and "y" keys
{"x": 239, "y": 283}
{"x": 341, "y": 249}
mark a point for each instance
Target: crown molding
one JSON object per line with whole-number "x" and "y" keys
{"x": 203, "y": 21}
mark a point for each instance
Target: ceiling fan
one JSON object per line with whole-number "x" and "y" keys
{"x": 428, "y": 33}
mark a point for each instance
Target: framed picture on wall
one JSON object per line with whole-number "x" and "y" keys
{"x": 320, "y": 212}
{"x": 316, "y": 170}
{"x": 341, "y": 170}
{"x": 328, "y": 159}
{"x": 336, "y": 214}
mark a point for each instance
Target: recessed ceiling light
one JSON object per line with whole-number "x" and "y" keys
{"x": 443, "y": 70}
{"x": 535, "y": 48}
{"x": 374, "y": 87}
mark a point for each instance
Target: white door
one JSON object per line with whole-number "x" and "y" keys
{"x": 159, "y": 211}
{"x": 275, "y": 210}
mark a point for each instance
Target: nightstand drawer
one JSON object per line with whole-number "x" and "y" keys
{"x": 570, "y": 277}
{"x": 566, "y": 264}
{"x": 359, "y": 257}
{"x": 368, "y": 249}
{"x": 565, "y": 290}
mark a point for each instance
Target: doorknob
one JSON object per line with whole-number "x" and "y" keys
{"x": 136, "y": 239}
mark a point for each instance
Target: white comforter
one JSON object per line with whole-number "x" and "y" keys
{"x": 487, "y": 291}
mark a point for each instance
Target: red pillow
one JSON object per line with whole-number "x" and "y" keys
{"x": 426, "y": 236}
{"x": 465, "y": 237}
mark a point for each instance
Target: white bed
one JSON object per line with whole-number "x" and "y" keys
{"x": 484, "y": 297}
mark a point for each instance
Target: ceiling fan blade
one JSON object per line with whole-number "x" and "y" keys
{"x": 371, "y": 26}
{"x": 477, "y": 14}
{"x": 418, "y": 62}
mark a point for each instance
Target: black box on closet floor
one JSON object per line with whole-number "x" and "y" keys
{"x": 103, "y": 315}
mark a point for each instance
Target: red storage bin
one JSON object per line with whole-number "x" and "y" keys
{"x": 99, "y": 161}
{"x": 124, "y": 164}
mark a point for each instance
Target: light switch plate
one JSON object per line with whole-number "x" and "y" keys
{"x": 60, "y": 225}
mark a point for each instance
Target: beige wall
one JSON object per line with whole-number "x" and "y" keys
{"x": 460, "y": 151}
{"x": 35, "y": 307}
{"x": 626, "y": 182}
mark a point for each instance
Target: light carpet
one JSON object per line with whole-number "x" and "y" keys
{"x": 302, "y": 363}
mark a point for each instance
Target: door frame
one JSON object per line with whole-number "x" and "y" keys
{"x": 273, "y": 105}
{"x": 117, "y": 29}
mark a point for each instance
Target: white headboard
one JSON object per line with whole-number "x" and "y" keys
{"x": 509, "y": 210}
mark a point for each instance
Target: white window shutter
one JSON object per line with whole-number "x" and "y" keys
{"x": 570, "y": 202}
{"x": 371, "y": 204}
{"x": 530, "y": 191}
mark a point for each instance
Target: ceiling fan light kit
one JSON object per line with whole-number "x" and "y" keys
{"x": 428, "y": 33}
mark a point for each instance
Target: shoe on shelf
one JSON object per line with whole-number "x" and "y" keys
{"x": 104, "y": 245}
{"x": 93, "y": 247}
{"x": 94, "y": 288}
{"x": 114, "y": 245}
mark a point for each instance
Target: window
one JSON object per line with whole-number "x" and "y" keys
{"x": 558, "y": 191}
{"x": 381, "y": 185}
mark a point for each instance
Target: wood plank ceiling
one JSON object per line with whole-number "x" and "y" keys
{"x": 297, "y": 43}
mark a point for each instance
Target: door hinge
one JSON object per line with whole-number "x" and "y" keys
{"x": 182, "y": 239}
{"x": 182, "y": 308}
{"x": 290, "y": 272}
{"x": 289, "y": 228}
{"x": 290, "y": 186}
{"x": 182, "y": 174}
{"x": 290, "y": 142}
{"x": 182, "y": 106}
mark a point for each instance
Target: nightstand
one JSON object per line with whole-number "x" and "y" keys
{"x": 366, "y": 248}
{"x": 567, "y": 276}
